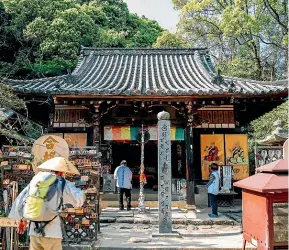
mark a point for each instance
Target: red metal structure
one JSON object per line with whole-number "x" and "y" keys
{"x": 265, "y": 207}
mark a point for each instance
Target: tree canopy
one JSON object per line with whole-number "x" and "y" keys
{"x": 43, "y": 38}
{"x": 248, "y": 38}
{"x": 170, "y": 40}
{"x": 9, "y": 100}
{"x": 263, "y": 126}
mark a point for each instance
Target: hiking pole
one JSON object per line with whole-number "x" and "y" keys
{"x": 13, "y": 231}
{"x": 98, "y": 204}
{"x": 16, "y": 240}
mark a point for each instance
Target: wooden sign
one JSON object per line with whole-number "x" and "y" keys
{"x": 71, "y": 210}
{"x": 87, "y": 164}
{"x": 21, "y": 167}
{"x": 91, "y": 190}
{"x": 217, "y": 116}
{"x": 47, "y": 147}
{"x": 85, "y": 222}
{"x": 4, "y": 163}
{"x": 79, "y": 211}
{"x": 84, "y": 152}
{"x": 93, "y": 172}
{"x": 7, "y": 222}
{"x": 12, "y": 154}
{"x": 84, "y": 178}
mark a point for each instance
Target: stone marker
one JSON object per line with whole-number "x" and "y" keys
{"x": 164, "y": 173}
{"x": 285, "y": 150}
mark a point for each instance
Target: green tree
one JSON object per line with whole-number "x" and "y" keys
{"x": 170, "y": 40}
{"x": 43, "y": 38}
{"x": 9, "y": 100}
{"x": 240, "y": 31}
{"x": 263, "y": 126}
{"x": 142, "y": 32}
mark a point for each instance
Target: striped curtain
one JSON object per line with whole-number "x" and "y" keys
{"x": 127, "y": 133}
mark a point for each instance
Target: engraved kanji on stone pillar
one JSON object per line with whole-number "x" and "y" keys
{"x": 164, "y": 173}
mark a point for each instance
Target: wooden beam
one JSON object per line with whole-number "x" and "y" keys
{"x": 174, "y": 97}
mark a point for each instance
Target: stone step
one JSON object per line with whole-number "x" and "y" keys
{"x": 179, "y": 221}
{"x": 152, "y": 204}
{"x": 134, "y": 197}
{"x": 179, "y": 216}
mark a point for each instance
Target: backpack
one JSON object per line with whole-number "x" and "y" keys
{"x": 42, "y": 188}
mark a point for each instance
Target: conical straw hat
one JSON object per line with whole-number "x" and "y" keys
{"x": 59, "y": 164}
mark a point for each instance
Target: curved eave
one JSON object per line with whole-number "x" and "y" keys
{"x": 146, "y": 73}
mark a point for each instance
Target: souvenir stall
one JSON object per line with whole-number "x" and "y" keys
{"x": 82, "y": 224}
{"x": 16, "y": 173}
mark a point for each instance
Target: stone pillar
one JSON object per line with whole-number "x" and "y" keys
{"x": 285, "y": 150}
{"x": 164, "y": 174}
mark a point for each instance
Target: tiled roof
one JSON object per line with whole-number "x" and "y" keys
{"x": 145, "y": 72}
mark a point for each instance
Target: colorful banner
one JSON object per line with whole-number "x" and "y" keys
{"x": 212, "y": 150}
{"x": 127, "y": 133}
{"x": 237, "y": 154}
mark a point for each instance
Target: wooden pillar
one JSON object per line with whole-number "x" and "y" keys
{"x": 190, "y": 174}
{"x": 96, "y": 128}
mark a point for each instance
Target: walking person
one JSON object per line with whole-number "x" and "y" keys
{"x": 213, "y": 187}
{"x": 42, "y": 200}
{"x": 123, "y": 177}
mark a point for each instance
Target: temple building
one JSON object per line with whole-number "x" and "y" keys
{"x": 114, "y": 95}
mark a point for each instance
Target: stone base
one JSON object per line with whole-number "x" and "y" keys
{"x": 173, "y": 234}
{"x": 190, "y": 207}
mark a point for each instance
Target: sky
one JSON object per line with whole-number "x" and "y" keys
{"x": 160, "y": 10}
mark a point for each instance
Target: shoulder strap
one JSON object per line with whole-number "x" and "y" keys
{"x": 63, "y": 182}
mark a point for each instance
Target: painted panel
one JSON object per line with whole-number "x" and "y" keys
{"x": 237, "y": 154}
{"x": 212, "y": 150}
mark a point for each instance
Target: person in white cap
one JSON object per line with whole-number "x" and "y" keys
{"x": 123, "y": 177}
{"x": 41, "y": 201}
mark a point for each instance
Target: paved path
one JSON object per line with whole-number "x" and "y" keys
{"x": 128, "y": 236}
{"x": 133, "y": 230}
{"x": 227, "y": 216}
